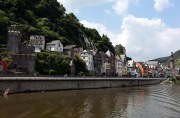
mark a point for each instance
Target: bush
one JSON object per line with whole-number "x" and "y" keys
{"x": 52, "y": 72}
{"x": 81, "y": 73}
{"x": 173, "y": 79}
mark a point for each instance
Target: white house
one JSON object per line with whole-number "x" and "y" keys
{"x": 131, "y": 63}
{"x": 132, "y": 69}
{"x": 118, "y": 66}
{"x": 55, "y": 45}
{"x": 152, "y": 64}
{"x": 87, "y": 56}
{"x": 38, "y": 42}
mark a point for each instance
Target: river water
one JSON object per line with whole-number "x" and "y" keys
{"x": 157, "y": 101}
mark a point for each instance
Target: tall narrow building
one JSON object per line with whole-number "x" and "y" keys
{"x": 171, "y": 61}
{"x": 14, "y": 39}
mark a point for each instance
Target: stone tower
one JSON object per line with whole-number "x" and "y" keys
{"x": 171, "y": 61}
{"x": 14, "y": 39}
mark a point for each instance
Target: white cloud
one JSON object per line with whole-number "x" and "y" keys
{"x": 160, "y": 5}
{"x": 143, "y": 38}
{"x": 149, "y": 38}
{"x": 103, "y": 30}
{"x": 121, "y": 6}
{"x": 75, "y": 5}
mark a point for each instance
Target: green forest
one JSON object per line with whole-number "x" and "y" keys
{"x": 49, "y": 18}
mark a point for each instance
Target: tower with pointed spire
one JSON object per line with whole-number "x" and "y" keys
{"x": 171, "y": 61}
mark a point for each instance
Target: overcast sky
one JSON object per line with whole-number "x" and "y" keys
{"x": 147, "y": 28}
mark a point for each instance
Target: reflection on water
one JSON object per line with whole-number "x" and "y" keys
{"x": 160, "y": 101}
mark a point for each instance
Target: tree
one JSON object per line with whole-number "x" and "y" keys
{"x": 6, "y": 56}
{"x": 4, "y": 21}
{"x": 80, "y": 65}
{"x": 53, "y": 63}
{"x": 92, "y": 34}
{"x": 104, "y": 45}
{"x": 128, "y": 58}
{"x": 119, "y": 49}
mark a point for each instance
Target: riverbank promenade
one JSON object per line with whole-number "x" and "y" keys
{"x": 78, "y": 78}
{"x": 34, "y": 84}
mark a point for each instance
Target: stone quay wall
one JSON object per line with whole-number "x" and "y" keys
{"x": 34, "y": 84}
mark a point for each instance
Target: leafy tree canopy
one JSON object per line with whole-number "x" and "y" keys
{"x": 52, "y": 63}
{"x": 119, "y": 49}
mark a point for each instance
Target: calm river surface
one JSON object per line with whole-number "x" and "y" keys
{"x": 157, "y": 101}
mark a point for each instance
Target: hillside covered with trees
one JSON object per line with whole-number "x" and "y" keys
{"x": 48, "y": 18}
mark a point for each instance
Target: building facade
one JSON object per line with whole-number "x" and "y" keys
{"x": 55, "y": 46}
{"x": 98, "y": 64}
{"x": 72, "y": 50}
{"x": 118, "y": 66}
{"x": 171, "y": 61}
{"x": 37, "y": 41}
{"x": 109, "y": 63}
{"x": 132, "y": 70}
{"x": 87, "y": 56}
{"x": 24, "y": 62}
{"x": 23, "y": 55}
{"x": 14, "y": 39}
{"x": 124, "y": 65}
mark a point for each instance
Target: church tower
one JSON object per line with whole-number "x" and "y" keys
{"x": 171, "y": 61}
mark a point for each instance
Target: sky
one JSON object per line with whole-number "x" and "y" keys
{"x": 148, "y": 29}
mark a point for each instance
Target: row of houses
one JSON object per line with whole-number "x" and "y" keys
{"x": 24, "y": 55}
{"x": 97, "y": 63}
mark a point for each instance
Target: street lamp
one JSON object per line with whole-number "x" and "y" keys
{"x": 72, "y": 68}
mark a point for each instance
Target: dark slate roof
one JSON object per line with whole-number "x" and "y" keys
{"x": 69, "y": 47}
{"x": 54, "y": 42}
